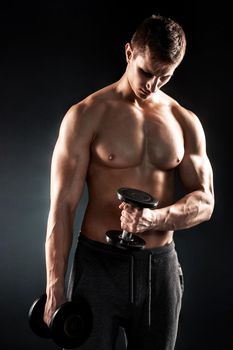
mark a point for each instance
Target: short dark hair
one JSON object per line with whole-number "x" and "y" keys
{"x": 164, "y": 38}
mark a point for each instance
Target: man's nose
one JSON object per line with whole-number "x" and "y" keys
{"x": 152, "y": 84}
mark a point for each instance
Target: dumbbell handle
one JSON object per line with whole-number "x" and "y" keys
{"x": 126, "y": 236}
{"x": 138, "y": 199}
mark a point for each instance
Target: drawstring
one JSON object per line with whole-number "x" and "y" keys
{"x": 149, "y": 289}
{"x": 131, "y": 282}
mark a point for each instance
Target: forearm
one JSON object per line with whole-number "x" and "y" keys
{"x": 57, "y": 247}
{"x": 189, "y": 211}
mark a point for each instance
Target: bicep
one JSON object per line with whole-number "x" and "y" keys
{"x": 195, "y": 169}
{"x": 67, "y": 177}
{"x": 70, "y": 162}
{"x": 196, "y": 173}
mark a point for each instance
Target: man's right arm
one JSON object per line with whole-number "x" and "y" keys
{"x": 69, "y": 166}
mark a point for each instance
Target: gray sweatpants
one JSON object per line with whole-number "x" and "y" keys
{"x": 140, "y": 291}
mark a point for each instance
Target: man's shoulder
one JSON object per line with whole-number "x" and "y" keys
{"x": 87, "y": 114}
{"x": 93, "y": 104}
{"x": 184, "y": 116}
{"x": 179, "y": 110}
{"x": 187, "y": 119}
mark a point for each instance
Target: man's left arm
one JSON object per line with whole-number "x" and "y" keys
{"x": 196, "y": 175}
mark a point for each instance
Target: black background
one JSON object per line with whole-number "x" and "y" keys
{"x": 52, "y": 55}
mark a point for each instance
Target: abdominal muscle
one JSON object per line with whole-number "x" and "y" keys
{"x": 103, "y": 214}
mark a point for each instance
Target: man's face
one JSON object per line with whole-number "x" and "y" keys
{"x": 146, "y": 75}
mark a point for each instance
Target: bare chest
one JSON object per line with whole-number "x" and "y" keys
{"x": 134, "y": 139}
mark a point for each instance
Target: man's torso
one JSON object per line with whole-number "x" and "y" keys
{"x": 137, "y": 147}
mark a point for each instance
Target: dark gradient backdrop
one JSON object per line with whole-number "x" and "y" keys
{"x": 54, "y": 53}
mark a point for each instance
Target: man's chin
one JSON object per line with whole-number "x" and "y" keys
{"x": 143, "y": 95}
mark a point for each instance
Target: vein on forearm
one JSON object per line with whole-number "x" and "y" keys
{"x": 57, "y": 246}
{"x": 189, "y": 211}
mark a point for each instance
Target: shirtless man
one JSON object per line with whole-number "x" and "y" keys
{"x": 128, "y": 134}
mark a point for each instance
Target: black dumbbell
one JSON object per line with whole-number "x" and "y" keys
{"x": 70, "y": 326}
{"x": 136, "y": 198}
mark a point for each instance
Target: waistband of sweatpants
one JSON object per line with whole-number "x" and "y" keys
{"x": 105, "y": 247}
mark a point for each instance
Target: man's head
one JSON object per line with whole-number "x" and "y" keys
{"x": 162, "y": 37}
{"x": 157, "y": 47}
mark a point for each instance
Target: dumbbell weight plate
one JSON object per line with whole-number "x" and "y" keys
{"x": 35, "y": 318}
{"x": 114, "y": 237}
{"x": 71, "y": 323}
{"x": 137, "y": 198}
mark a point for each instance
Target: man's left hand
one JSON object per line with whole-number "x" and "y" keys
{"x": 136, "y": 220}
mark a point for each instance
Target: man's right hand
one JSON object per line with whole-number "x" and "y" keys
{"x": 51, "y": 305}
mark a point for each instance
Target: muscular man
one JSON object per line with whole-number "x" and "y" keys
{"x": 128, "y": 134}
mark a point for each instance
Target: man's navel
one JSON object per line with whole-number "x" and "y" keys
{"x": 111, "y": 156}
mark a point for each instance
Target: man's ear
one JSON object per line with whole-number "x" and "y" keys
{"x": 128, "y": 52}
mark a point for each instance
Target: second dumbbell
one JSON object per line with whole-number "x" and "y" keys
{"x": 70, "y": 326}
